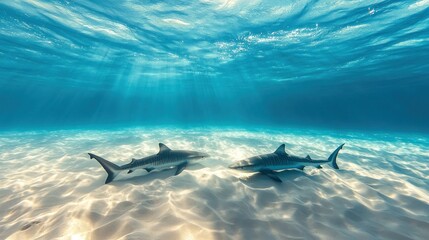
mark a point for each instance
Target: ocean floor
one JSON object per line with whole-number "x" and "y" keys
{"x": 50, "y": 188}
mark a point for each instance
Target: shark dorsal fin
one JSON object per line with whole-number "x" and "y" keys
{"x": 281, "y": 150}
{"x": 163, "y": 148}
{"x": 133, "y": 160}
{"x": 308, "y": 157}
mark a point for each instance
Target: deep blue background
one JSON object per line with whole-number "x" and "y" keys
{"x": 132, "y": 63}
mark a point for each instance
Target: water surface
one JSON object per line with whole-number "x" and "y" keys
{"x": 331, "y": 64}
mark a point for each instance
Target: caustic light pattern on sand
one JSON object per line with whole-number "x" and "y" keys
{"x": 50, "y": 188}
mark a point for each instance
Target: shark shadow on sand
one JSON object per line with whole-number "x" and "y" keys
{"x": 145, "y": 177}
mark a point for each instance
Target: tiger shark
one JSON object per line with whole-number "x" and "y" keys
{"x": 268, "y": 164}
{"x": 165, "y": 158}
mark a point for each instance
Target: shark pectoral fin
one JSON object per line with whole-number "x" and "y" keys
{"x": 319, "y": 167}
{"x": 130, "y": 171}
{"x": 271, "y": 174}
{"x": 149, "y": 169}
{"x": 301, "y": 168}
{"x": 180, "y": 168}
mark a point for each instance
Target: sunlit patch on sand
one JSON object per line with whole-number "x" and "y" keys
{"x": 50, "y": 188}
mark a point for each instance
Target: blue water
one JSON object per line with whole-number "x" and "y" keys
{"x": 314, "y": 64}
{"x": 230, "y": 78}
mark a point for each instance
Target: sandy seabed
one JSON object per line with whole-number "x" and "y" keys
{"x": 50, "y": 189}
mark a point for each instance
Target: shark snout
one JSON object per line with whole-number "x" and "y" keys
{"x": 233, "y": 166}
{"x": 236, "y": 165}
{"x": 199, "y": 155}
{"x": 242, "y": 165}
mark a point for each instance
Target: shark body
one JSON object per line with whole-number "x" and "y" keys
{"x": 268, "y": 164}
{"x": 164, "y": 159}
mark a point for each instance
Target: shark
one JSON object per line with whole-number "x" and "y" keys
{"x": 268, "y": 164}
{"x": 164, "y": 159}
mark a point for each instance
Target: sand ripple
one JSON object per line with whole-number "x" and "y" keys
{"x": 51, "y": 189}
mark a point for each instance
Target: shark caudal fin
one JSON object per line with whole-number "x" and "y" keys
{"x": 112, "y": 169}
{"x": 333, "y": 158}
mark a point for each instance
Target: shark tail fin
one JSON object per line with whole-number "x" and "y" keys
{"x": 112, "y": 169}
{"x": 333, "y": 157}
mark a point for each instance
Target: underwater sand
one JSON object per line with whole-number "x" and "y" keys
{"x": 50, "y": 188}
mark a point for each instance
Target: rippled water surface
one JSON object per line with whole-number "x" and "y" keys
{"x": 353, "y": 64}
{"x": 232, "y": 78}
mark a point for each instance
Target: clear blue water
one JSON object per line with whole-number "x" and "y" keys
{"x": 230, "y": 78}
{"x": 359, "y": 65}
